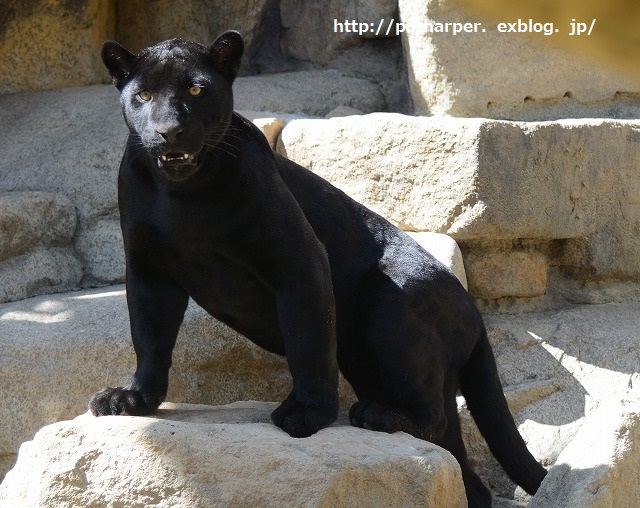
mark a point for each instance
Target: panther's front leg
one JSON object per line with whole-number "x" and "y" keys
{"x": 156, "y": 310}
{"x": 306, "y": 313}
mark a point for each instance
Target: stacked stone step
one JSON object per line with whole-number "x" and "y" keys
{"x": 562, "y": 370}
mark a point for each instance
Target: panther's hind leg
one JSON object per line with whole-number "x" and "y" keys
{"x": 478, "y": 496}
{"x": 393, "y": 356}
{"x": 418, "y": 411}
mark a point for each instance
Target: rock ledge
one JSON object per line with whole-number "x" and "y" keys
{"x": 192, "y": 455}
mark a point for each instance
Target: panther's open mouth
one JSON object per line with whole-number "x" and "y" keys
{"x": 177, "y": 158}
{"x": 178, "y": 166}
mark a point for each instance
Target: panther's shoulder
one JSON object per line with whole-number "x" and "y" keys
{"x": 250, "y": 129}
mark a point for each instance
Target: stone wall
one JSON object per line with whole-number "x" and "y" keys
{"x": 525, "y": 154}
{"x": 47, "y": 44}
{"x": 540, "y": 205}
{"x": 57, "y": 44}
{"x": 493, "y": 74}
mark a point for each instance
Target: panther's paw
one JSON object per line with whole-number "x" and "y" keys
{"x": 370, "y": 415}
{"x": 119, "y": 401}
{"x": 373, "y": 416}
{"x": 300, "y": 421}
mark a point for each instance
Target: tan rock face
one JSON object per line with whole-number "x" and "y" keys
{"x": 489, "y": 73}
{"x": 31, "y": 219}
{"x": 140, "y": 24}
{"x": 47, "y": 44}
{"x": 615, "y": 39}
{"x": 514, "y": 273}
{"x": 226, "y": 456}
{"x": 36, "y": 234}
{"x": 600, "y": 466}
{"x": 396, "y": 165}
{"x": 478, "y": 179}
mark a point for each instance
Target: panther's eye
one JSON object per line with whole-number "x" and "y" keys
{"x": 145, "y": 95}
{"x": 195, "y": 90}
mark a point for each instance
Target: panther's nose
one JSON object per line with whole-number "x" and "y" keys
{"x": 169, "y": 132}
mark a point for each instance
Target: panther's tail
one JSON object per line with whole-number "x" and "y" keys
{"x": 482, "y": 390}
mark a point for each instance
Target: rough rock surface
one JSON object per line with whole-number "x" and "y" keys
{"x": 36, "y": 230}
{"x": 76, "y": 30}
{"x": 40, "y": 271}
{"x": 34, "y": 219}
{"x": 599, "y": 468}
{"x": 74, "y": 33}
{"x": 397, "y": 165}
{"x": 138, "y": 26}
{"x": 226, "y": 456}
{"x": 496, "y": 75}
{"x": 484, "y": 182}
{"x": 557, "y": 367}
{"x": 313, "y": 92}
{"x": 513, "y": 273}
{"x": 316, "y": 31}
{"x": 80, "y": 139}
{"x": 100, "y": 246}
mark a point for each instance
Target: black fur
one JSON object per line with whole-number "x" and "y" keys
{"x": 209, "y": 211}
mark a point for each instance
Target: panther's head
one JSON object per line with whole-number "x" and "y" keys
{"x": 176, "y": 97}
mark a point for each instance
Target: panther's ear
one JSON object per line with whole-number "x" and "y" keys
{"x": 118, "y": 61}
{"x": 226, "y": 52}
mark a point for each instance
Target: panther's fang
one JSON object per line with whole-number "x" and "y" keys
{"x": 172, "y": 157}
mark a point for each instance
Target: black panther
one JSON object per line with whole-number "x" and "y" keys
{"x": 209, "y": 211}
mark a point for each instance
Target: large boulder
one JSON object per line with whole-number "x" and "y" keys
{"x": 530, "y": 195}
{"x": 397, "y": 165}
{"x": 483, "y": 72}
{"x": 226, "y": 456}
{"x": 560, "y": 368}
{"x": 60, "y": 349}
{"x": 47, "y": 44}
{"x": 599, "y": 468}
